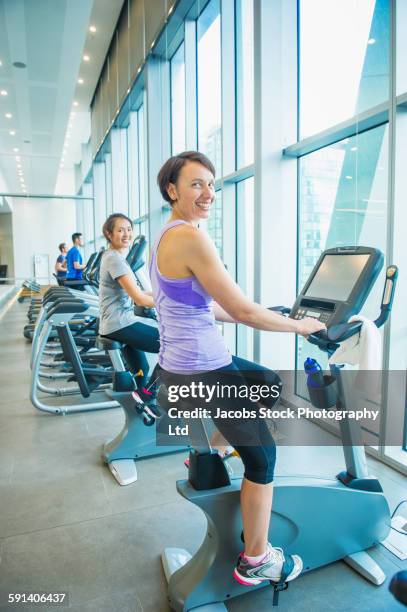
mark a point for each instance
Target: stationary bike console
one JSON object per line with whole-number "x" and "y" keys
{"x": 338, "y": 285}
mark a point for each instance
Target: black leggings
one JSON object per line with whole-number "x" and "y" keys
{"x": 137, "y": 339}
{"x": 250, "y": 436}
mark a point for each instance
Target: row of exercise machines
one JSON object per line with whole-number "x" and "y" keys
{"x": 322, "y": 519}
{"x": 66, "y": 348}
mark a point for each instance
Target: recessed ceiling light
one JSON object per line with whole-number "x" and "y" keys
{"x": 75, "y": 103}
{"x": 349, "y": 177}
{"x": 371, "y": 41}
{"x": 18, "y": 157}
{"x": 12, "y": 133}
{"x": 1, "y": 63}
{"x": 86, "y": 58}
{"x": 8, "y": 116}
{"x": 92, "y": 29}
{"x": 3, "y": 92}
{"x": 353, "y": 148}
{"x": 18, "y": 165}
{"x": 80, "y": 81}
{"x": 16, "y": 149}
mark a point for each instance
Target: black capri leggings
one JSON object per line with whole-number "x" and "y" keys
{"x": 249, "y": 435}
{"x": 138, "y": 338}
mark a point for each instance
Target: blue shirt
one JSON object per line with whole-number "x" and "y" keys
{"x": 61, "y": 259}
{"x": 73, "y": 256}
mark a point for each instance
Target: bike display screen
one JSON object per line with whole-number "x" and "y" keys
{"x": 337, "y": 276}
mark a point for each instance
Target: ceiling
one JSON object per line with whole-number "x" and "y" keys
{"x": 49, "y": 108}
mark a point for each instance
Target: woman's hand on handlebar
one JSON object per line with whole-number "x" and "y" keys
{"x": 308, "y": 326}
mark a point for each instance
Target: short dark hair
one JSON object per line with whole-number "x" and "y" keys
{"x": 170, "y": 171}
{"x": 109, "y": 224}
{"x": 61, "y": 246}
{"x": 75, "y": 236}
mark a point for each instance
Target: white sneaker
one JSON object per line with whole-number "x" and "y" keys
{"x": 272, "y": 567}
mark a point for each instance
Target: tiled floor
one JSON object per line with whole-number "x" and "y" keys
{"x": 65, "y": 524}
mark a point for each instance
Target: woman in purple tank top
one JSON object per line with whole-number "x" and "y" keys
{"x": 192, "y": 290}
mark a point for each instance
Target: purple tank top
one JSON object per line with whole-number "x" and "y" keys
{"x": 190, "y": 340}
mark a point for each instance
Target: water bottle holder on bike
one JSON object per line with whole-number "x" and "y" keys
{"x": 326, "y": 396}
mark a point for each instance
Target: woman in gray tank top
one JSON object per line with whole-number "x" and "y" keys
{"x": 118, "y": 292}
{"x": 188, "y": 278}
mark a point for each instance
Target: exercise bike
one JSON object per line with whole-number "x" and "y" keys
{"x": 321, "y": 519}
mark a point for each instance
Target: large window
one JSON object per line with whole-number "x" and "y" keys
{"x": 344, "y": 60}
{"x": 136, "y": 164}
{"x": 343, "y": 202}
{"x": 245, "y": 82}
{"x": 401, "y": 38}
{"x": 343, "y": 197}
{"x": 177, "y": 68}
{"x": 245, "y": 258}
{"x": 141, "y": 147}
{"x": 133, "y": 166}
{"x": 120, "y": 194}
{"x": 88, "y": 220}
{"x": 99, "y": 194}
{"x": 210, "y": 85}
{"x": 330, "y": 70}
{"x": 108, "y": 183}
{"x": 346, "y": 194}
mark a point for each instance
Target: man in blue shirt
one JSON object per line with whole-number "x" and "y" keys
{"x": 74, "y": 259}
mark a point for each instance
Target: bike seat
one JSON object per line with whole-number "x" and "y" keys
{"x": 107, "y": 344}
